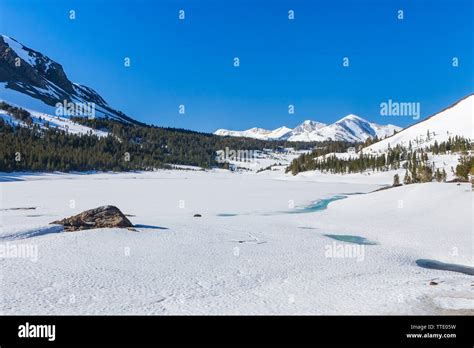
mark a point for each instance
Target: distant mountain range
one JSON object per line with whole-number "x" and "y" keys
{"x": 31, "y": 73}
{"x": 36, "y": 77}
{"x": 350, "y": 128}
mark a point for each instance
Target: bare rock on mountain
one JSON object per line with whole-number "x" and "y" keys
{"x": 34, "y": 74}
{"x": 104, "y": 216}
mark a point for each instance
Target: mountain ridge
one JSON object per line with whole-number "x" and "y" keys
{"x": 42, "y": 79}
{"x": 34, "y": 74}
{"x": 351, "y": 128}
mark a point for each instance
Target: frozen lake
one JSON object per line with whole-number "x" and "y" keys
{"x": 240, "y": 257}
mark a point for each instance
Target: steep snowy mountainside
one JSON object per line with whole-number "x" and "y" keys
{"x": 31, "y": 73}
{"x": 455, "y": 120}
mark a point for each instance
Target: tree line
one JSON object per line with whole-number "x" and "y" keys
{"x": 18, "y": 113}
{"x": 414, "y": 161}
{"x": 127, "y": 146}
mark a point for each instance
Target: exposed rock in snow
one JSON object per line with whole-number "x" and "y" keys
{"x": 104, "y": 216}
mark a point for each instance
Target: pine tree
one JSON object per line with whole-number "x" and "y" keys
{"x": 396, "y": 180}
{"x": 464, "y": 167}
{"x": 407, "y": 178}
{"x": 425, "y": 174}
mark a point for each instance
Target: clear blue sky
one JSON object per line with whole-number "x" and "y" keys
{"x": 282, "y": 62}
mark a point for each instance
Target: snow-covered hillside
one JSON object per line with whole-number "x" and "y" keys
{"x": 257, "y": 133}
{"x": 350, "y": 128}
{"x": 45, "y": 120}
{"x": 354, "y": 128}
{"x": 455, "y": 120}
{"x": 266, "y": 160}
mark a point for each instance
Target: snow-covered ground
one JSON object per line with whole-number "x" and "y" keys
{"x": 43, "y": 120}
{"x": 255, "y": 250}
{"x": 448, "y": 162}
{"x": 455, "y": 120}
{"x": 265, "y": 160}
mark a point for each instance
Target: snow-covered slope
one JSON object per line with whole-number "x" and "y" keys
{"x": 355, "y": 128}
{"x": 28, "y": 73}
{"x": 350, "y": 128}
{"x": 309, "y": 126}
{"x": 456, "y": 119}
{"x": 256, "y": 133}
{"x": 44, "y": 120}
{"x": 306, "y": 131}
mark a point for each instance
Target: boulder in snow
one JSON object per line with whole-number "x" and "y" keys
{"x": 104, "y": 216}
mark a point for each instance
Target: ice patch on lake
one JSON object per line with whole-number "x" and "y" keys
{"x": 351, "y": 239}
{"x": 438, "y": 265}
{"x": 318, "y": 205}
{"x": 315, "y": 206}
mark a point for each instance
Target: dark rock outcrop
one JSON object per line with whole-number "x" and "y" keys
{"x": 104, "y": 216}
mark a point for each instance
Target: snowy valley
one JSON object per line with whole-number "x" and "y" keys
{"x": 351, "y": 217}
{"x": 174, "y": 263}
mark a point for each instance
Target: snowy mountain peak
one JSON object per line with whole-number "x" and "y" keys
{"x": 311, "y": 123}
{"x": 257, "y": 130}
{"x": 30, "y": 76}
{"x": 308, "y": 126}
{"x": 352, "y": 117}
{"x": 349, "y": 128}
{"x": 21, "y": 51}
